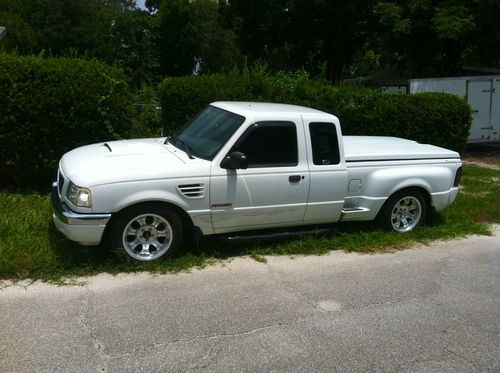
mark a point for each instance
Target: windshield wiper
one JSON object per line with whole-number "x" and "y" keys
{"x": 186, "y": 146}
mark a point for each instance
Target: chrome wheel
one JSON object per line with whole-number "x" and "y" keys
{"x": 147, "y": 237}
{"x": 406, "y": 214}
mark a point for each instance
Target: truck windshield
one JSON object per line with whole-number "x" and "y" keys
{"x": 205, "y": 135}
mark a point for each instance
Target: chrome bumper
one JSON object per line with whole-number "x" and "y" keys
{"x": 87, "y": 229}
{"x": 67, "y": 216}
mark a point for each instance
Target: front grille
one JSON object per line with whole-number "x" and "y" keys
{"x": 60, "y": 182}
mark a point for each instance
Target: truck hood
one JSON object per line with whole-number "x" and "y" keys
{"x": 119, "y": 161}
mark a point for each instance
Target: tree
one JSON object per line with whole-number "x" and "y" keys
{"x": 334, "y": 39}
{"x": 484, "y": 44}
{"x": 192, "y": 38}
{"x": 114, "y": 31}
{"x": 131, "y": 42}
{"x": 438, "y": 37}
{"x": 262, "y": 29}
{"x": 330, "y": 33}
{"x": 152, "y": 5}
{"x": 318, "y": 35}
{"x": 215, "y": 46}
{"x": 176, "y": 42}
{"x": 20, "y": 36}
{"x": 53, "y": 26}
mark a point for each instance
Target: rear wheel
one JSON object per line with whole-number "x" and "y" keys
{"x": 404, "y": 211}
{"x": 147, "y": 233}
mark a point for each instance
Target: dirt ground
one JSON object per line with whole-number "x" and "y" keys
{"x": 488, "y": 159}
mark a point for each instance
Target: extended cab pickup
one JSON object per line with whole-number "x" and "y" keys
{"x": 241, "y": 166}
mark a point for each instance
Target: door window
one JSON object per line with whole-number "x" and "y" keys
{"x": 269, "y": 144}
{"x": 325, "y": 145}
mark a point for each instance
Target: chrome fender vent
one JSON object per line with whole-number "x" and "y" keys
{"x": 192, "y": 190}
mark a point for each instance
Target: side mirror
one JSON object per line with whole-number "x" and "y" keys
{"x": 235, "y": 160}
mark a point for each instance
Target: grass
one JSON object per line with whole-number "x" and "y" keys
{"x": 30, "y": 246}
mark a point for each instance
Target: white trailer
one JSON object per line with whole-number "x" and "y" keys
{"x": 483, "y": 95}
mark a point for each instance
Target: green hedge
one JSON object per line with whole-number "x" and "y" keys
{"x": 49, "y": 106}
{"x": 435, "y": 118}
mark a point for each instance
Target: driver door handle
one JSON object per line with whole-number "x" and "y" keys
{"x": 294, "y": 178}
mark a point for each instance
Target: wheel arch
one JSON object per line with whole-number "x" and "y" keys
{"x": 417, "y": 188}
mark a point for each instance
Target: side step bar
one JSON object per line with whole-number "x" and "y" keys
{"x": 272, "y": 235}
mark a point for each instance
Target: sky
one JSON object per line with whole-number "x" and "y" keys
{"x": 140, "y": 3}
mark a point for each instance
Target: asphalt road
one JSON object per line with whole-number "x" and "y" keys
{"x": 429, "y": 308}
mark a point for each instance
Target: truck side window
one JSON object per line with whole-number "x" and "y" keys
{"x": 325, "y": 144}
{"x": 269, "y": 144}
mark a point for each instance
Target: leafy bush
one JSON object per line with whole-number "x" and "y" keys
{"x": 435, "y": 118}
{"x": 146, "y": 121}
{"x": 49, "y": 106}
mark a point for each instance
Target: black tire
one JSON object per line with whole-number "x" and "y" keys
{"x": 404, "y": 211}
{"x": 154, "y": 233}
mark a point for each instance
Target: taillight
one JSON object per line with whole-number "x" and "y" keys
{"x": 458, "y": 175}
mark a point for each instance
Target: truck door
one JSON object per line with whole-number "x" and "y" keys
{"x": 274, "y": 188}
{"x": 480, "y": 97}
{"x": 327, "y": 169}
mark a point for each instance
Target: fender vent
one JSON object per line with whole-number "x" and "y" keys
{"x": 192, "y": 190}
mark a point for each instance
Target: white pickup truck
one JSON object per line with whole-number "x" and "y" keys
{"x": 241, "y": 166}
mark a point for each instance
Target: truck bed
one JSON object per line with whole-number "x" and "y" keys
{"x": 379, "y": 148}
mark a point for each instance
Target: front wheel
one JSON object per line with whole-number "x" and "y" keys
{"x": 147, "y": 233}
{"x": 404, "y": 211}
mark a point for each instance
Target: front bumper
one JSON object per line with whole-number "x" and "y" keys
{"x": 86, "y": 229}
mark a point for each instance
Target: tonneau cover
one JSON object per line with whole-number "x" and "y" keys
{"x": 378, "y": 148}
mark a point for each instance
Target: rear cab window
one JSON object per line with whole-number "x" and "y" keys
{"x": 325, "y": 143}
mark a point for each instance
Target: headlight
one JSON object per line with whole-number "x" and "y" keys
{"x": 79, "y": 196}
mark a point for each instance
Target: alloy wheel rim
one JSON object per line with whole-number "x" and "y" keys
{"x": 147, "y": 237}
{"x": 406, "y": 214}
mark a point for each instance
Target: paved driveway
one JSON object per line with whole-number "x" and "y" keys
{"x": 430, "y": 308}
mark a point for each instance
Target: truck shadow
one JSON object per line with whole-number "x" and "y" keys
{"x": 220, "y": 248}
